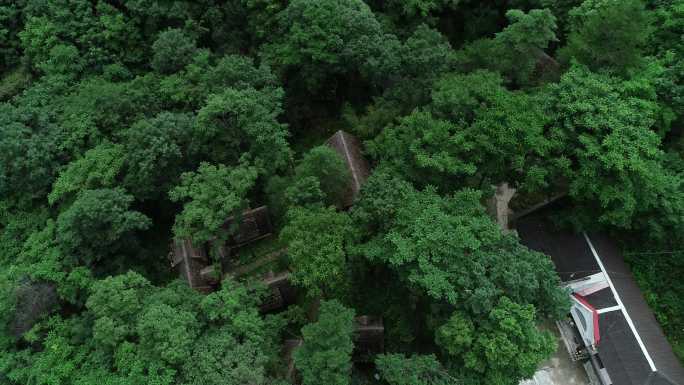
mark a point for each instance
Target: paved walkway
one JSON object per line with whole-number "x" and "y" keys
{"x": 559, "y": 369}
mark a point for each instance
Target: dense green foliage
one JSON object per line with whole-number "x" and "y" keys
{"x": 127, "y": 124}
{"x": 325, "y": 354}
{"x": 658, "y": 275}
{"x": 449, "y": 247}
{"x": 505, "y": 343}
{"x": 316, "y": 239}
{"x": 212, "y": 193}
{"x": 608, "y": 34}
{"x": 139, "y": 334}
{"x": 397, "y": 369}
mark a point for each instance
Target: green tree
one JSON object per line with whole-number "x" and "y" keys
{"x": 17, "y": 227}
{"x": 202, "y": 77}
{"x": 326, "y": 38}
{"x": 407, "y": 79}
{"x": 211, "y": 195}
{"x": 608, "y": 34}
{"x": 29, "y": 158}
{"x": 320, "y": 178}
{"x": 235, "y": 307}
{"x": 284, "y": 192}
{"x": 106, "y": 106}
{"x": 143, "y": 333}
{"x": 329, "y": 169}
{"x": 60, "y": 364}
{"x": 315, "y": 239}
{"x": 263, "y": 16}
{"x": 98, "y": 168}
{"x": 423, "y": 8}
{"x": 617, "y": 172}
{"x": 380, "y": 200}
{"x": 398, "y": 369}
{"x": 63, "y": 60}
{"x": 560, "y": 9}
{"x": 10, "y": 25}
{"x": 502, "y": 349}
{"x": 95, "y": 225}
{"x": 219, "y": 358}
{"x": 39, "y": 256}
{"x": 303, "y": 191}
{"x": 667, "y": 45}
{"x": 154, "y": 153}
{"x": 506, "y": 131}
{"x": 325, "y": 355}
{"x": 115, "y": 302}
{"x": 101, "y": 32}
{"x": 473, "y": 131}
{"x": 98, "y": 109}
{"x": 167, "y": 332}
{"x": 243, "y": 119}
{"x": 515, "y": 51}
{"x": 77, "y": 353}
{"x": 669, "y": 17}
{"x": 173, "y": 50}
{"x": 423, "y": 57}
{"x": 662, "y": 291}
{"x": 41, "y": 260}
{"x": 450, "y": 249}
{"x": 524, "y": 40}
{"x": 510, "y": 142}
{"x": 425, "y": 149}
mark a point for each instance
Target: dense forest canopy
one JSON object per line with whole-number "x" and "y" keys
{"x": 126, "y": 124}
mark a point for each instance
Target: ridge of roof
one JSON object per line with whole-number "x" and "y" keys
{"x": 623, "y": 309}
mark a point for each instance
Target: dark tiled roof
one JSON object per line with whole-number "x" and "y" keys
{"x": 569, "y": 252}
{"x": 546, "y": 68}
{"x": 254, "y": 224}
{"x": 190, "y": 260}
{"x": 601, "y": 299}
{"x": 620, "y": 352}
{"x": 281, "y": 291}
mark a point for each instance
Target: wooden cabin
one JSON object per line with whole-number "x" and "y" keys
{"x": 546, "y": 69}
{"x": 350, "y": 149}
{"x": 250, "y": 226}
{"x": 193, "y": 265}
{"x": 281, "y": 291}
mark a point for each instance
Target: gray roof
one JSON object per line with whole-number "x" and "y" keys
{"x": 619, "y": 348}
{"x": 666, "y": 363}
